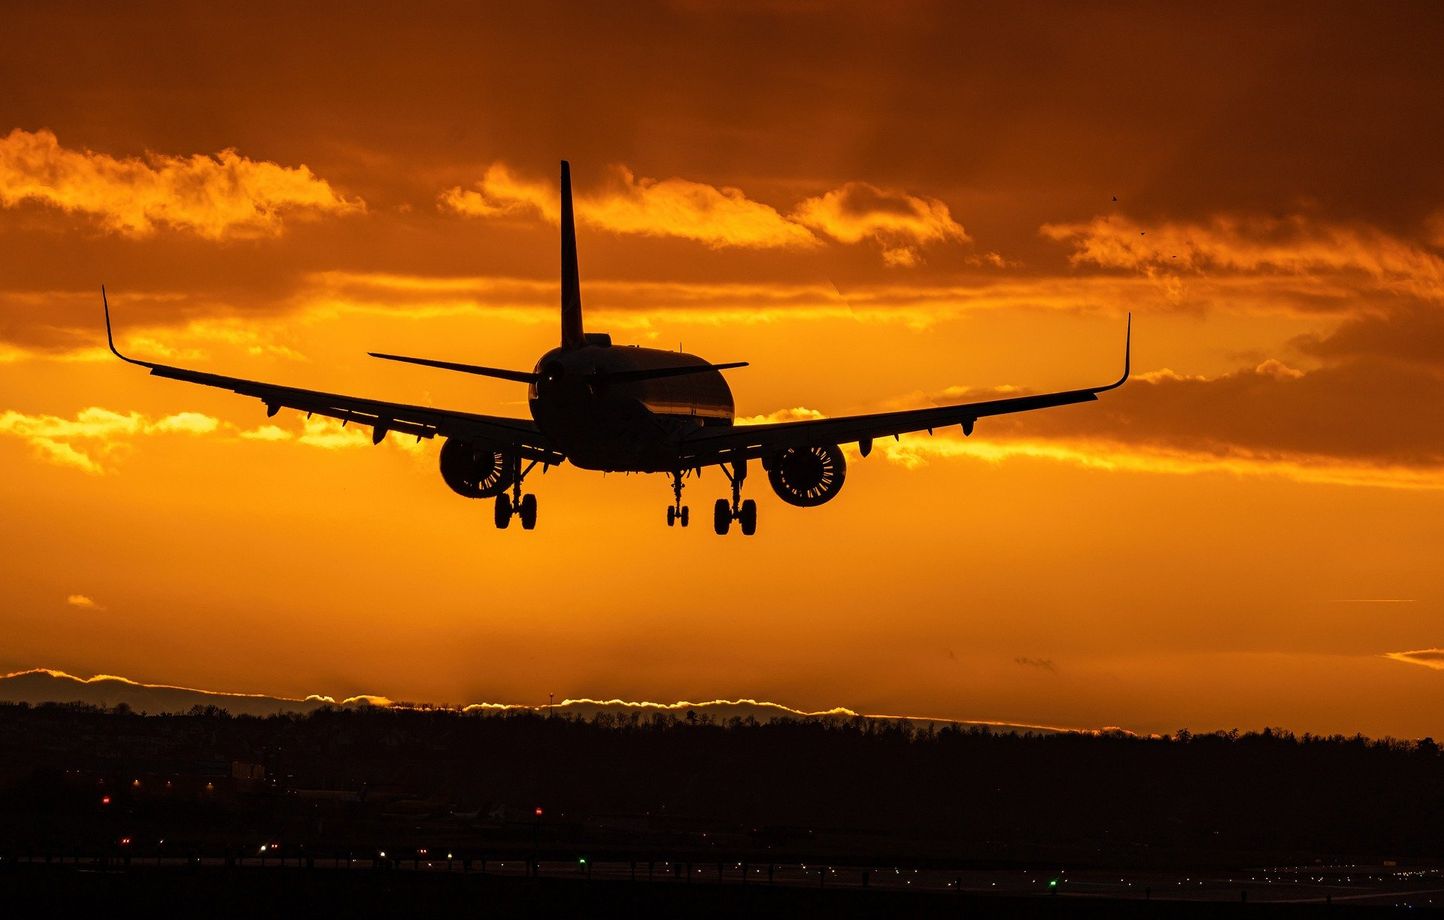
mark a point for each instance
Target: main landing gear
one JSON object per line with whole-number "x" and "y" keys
{"x": 523, "y": 506}
{"x": 743, "y": 512}
{"x": 678, "y": 512}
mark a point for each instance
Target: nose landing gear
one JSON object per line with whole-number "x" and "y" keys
{"x": 678, "y": 512}
{"x": 743, "y": 512}
{"x": 523, "y": 506}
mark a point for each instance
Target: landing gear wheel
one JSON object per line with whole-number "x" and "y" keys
{"x": 527, "y": 511}
{"x": 678, "y": 511}
{"x": 722, "y": 517}
{"x": 747, "y": 517}
{"x": 503, "y": 511}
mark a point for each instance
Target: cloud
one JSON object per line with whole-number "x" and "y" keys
{"x": 100, "y": 431}
{"x": 794, "y": 414}
{"x": 83, "y": 602}
{"x": 330, "y": 434}
{"x": 1104, "y": 455}
{"x": 1428, "y": 657}
{"x": 95, "y": 435}
{"x": 266, "y": 433}
{"x": 1359, "y": 411}
{"x": 717, "y": 217}
{"x": 216, "y": 197}
{"x": 900, "y": 223}
{"x": 1253, "y": 244}
{"x": 500, "y": 192}
{"x": 186, "y": 423}
{"x": 1411, "y": 333}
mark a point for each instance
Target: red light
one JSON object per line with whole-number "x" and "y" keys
{"x": 125, "y": 841}
{"x": 105, "y": 800}
{"x": 538, "y": 811}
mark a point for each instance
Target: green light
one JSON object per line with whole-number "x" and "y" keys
{"x": 1053, "y": 883}
{"x": 582, "y": 861}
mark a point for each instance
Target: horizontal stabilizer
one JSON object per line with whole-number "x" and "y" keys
{"x": 502, "y": 373}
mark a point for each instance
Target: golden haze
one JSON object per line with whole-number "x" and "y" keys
{"x": 877, "y": 207}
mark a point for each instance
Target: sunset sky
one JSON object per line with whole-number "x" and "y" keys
{"x": 879, "y": 207}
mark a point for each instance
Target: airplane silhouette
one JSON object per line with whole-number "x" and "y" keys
{"x": 616, "y": 408}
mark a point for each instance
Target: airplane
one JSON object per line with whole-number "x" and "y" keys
{"x": 614, "y": 408}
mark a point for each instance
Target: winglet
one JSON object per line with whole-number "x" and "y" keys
{"x": 110, "y": 337}
{"x": 1127, "y": 357}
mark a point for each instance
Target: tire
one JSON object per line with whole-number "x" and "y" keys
{"x": 747, "y": 517}
{"x": 683, "y": 516}
{"x": 671, "y": 516}
{"x": 722, "y": 517}
{"x": 503, "y": 511}
{"x": 528, "y": 512}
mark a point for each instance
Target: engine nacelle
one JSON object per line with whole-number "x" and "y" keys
{"x": 807, "y": 476}
{"x": 475, "y": 470}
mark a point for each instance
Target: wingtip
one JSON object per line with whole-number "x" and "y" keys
{"x": 109, "y": 336}
{"x": 1127, "y": 359}
{"x": 1127, "y": 346}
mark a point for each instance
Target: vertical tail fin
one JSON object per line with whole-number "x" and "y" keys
{"x": 571, "y": 285}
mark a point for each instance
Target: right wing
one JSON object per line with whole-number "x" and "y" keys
{"x": 520, "y": 436}
{"x": 709, "y": 445}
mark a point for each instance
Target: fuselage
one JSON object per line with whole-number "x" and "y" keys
{"x": 624, "y": 425}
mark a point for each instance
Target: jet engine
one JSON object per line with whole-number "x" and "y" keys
{"x": 475, "y": 470}
{"x": 807, "y": 476}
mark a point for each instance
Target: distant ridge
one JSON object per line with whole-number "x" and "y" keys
{"x": 45, "y": 685}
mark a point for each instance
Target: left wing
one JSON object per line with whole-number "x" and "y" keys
{"x": 705, "y": 446}
{"x": 520, "y": 436}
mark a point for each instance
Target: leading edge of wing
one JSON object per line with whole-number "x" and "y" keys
{"x": 382, "y": 416}
{"x": 746, "y": 441}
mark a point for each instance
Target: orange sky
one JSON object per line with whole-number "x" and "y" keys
{"x": 878, "y": 207}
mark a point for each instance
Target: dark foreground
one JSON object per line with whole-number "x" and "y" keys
{"x": 251, "y": 891}
{"x": 399, "y": 809}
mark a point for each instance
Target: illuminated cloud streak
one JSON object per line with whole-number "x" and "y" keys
{"x": 1252, "y": 244}
{"x": 95, "y": 435}
{"x": 717, "y": 217}
{"x": 915, "y": 451}
{"x": 899, "y": 222}
{"x": 99, "y": 430}
{"x": 1428, "y": 657}
{"x": 216, "y": 197}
